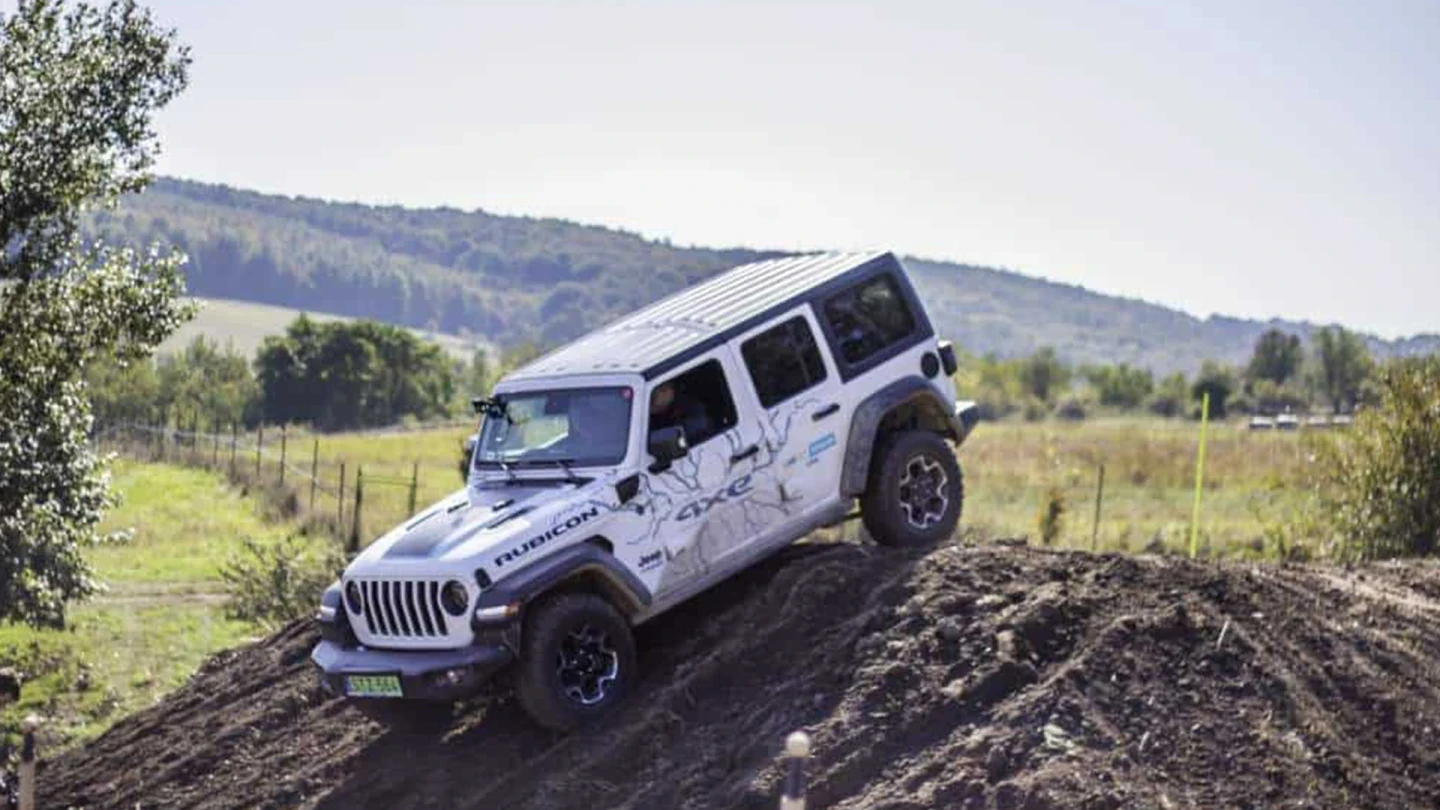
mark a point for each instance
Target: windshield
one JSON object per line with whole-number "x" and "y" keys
{"x": 576, "y": 426}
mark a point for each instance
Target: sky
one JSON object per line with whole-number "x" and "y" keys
{"x": 1248, "y": 158}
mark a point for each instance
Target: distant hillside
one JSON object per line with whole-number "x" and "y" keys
{"x": 515, "y": 279}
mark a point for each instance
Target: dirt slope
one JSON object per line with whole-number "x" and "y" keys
{"x": 984, "y": 678}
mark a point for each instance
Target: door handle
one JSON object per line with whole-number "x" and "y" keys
{"x": 744, "y": 454}
{"x": 828, "y": 410}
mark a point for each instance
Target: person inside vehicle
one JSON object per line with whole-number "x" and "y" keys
{"x": 671, "y": 407}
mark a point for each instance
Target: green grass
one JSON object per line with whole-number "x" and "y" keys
{"x": 244, "y": 325}
{"x": 1253, "y": 481}
{"x": 184, "y": 522}
{"x": 163, "y": 612}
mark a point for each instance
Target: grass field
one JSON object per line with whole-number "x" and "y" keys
{"x": 163, "y": 611}
{"x": 243, "y": 325}
{"x": 1013, "y": 471}
{"x": 1253, "y": 483}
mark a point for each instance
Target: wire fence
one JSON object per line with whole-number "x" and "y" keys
{"x": 294, "y": 471}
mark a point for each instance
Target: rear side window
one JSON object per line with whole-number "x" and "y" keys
{"x": 868, "y": 318}
{"x": 783, "y": 361}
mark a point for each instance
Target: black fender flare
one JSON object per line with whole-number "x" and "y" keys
{"x": 587, "y": 559}
{"x": 865, "y": 426}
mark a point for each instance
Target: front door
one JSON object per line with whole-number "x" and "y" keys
{"x": 709, "y": 504}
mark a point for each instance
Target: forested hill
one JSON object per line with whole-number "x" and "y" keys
{"x": 513, "y": 279}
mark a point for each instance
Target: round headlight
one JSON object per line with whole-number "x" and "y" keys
{"x": 454, "y": 598}
{"x": 353, "y": 598}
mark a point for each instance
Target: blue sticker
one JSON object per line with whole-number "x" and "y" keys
{"x": 822, "y": 444}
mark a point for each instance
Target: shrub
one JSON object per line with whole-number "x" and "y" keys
{"x": 1071, "y": 408}
{"x": 1170, "y": 396}
{"x": 1035, "y": 410}
{"x": 276, "y": 583}
{"x": 1378, "y": 484}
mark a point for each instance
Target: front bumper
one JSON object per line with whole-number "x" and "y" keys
{"x": 424, "y": 674}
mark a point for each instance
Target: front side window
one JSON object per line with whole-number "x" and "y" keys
{"x": 576, "y": 426}
{"x": 783, "y": 361}
{"x": 868, "y": 318}
{"x": 698, "y": 401}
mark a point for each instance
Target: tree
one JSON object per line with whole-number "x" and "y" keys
{"x": 1120, "y": 386}
{"x": 338, "y": 376}
{"x": 203, "y": 382}
{"x": 1043, "y": 375}
{"x": 1170, "y": 396}
{"x": 1277, "y": 358}
{"x": 1217, "y": 381}
{"x": 78, "y": 86}
{"x": 1343, "y": 364}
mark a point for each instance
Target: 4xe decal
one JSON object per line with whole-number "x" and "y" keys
{"x": 648, "y": 561}
{"x": 695, "y": 509}
{"x": 541, "y": 539}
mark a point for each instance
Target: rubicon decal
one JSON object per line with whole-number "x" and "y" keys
{"x": 575, "y": 521}
{"x": 648, "y": 561}
{"x": 695, "y": 509}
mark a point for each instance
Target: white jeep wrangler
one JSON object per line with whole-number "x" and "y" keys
{"x": 624, "y": 473}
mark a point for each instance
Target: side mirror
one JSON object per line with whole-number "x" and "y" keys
{"x": 666, "y": 444}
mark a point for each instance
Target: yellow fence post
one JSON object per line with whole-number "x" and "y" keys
{"x": 1199, "y": 476}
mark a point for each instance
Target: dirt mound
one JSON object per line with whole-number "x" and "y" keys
{"x": 982, "y": 678}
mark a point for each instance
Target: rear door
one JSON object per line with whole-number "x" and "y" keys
{"x": 794, "y": 384}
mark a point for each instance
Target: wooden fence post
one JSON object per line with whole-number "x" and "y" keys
{"x": 27, "y": 762}
{"x": 234, "y": 441}
{"x": 414, "y": 484}
{"x": 359, "y": 500}
{"x": 1099, "y": 495}
{"x": 340, "y": 502}
{"x": 314, "y": 471}
{"x": 284, "y": 435}
{"x": 259, "y": 443}
{"x": 215, "y": 445}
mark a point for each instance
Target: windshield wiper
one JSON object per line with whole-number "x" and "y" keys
{"x": 569, "y": 473}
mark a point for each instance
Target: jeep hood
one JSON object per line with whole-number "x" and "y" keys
{"x": 473, "y": 521}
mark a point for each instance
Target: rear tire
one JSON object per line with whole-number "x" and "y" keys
{"x": 419, "y": 717}
{"x": 577, "y": 660}
{"x": 915, "y": 493}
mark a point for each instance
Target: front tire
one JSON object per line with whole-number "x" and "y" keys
{"x": 577, "y": 660}
{"x": 915, "y": 492}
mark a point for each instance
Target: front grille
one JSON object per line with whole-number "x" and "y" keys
{"x": 403, "y": 608}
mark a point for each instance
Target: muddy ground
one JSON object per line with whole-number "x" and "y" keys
{"x": 964, "y": 678}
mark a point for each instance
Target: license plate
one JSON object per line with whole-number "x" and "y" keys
{"x": 373, "y": 686}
